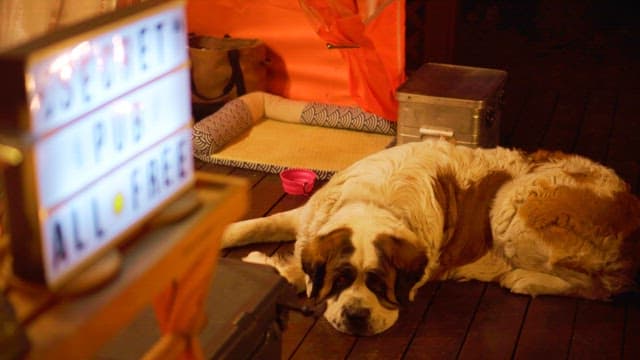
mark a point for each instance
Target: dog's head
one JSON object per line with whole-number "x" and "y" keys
{"x": 365, "y": 275}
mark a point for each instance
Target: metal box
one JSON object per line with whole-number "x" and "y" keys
{"x": 456, "y": 102}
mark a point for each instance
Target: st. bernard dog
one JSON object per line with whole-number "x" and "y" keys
{"x": 541, "y": 223}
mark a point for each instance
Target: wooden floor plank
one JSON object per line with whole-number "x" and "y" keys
{"x": 598, "y": 331}
{"x": 499, "y": 312}
{"x": 442, "y": 333}
{"x": 264, "y": 195}
{"x": 298, "y": 326}
{"x": 254, "y": 177}
{"x": 213, "y": 168}
{"x": 547, "y": 329}
{"x": 393, "y": 343}
{"x": 324, "y": 342}
{"x": 631, "y": 349}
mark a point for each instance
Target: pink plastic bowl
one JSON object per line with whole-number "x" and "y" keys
{"x": 298, "y": 181}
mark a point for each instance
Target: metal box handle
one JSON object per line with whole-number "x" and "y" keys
{"x": 447, "y": 133}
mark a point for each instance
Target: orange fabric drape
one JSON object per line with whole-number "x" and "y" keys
{"x": 297, "y": 33}
{"x": 349, "y": 25}
{"x": 180, "y": 308}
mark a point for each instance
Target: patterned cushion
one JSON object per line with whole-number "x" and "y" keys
{"x": 218, "y": 129}
{"x": 346, "y": 117}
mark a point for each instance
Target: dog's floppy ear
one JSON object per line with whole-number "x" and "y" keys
{"x": 319, "y": 257}
{"x": 445, "y": 189}
{"x": 403, "y": 259}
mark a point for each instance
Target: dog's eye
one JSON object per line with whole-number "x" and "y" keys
{"x": 375, "y": 282}
{"x": 343, "y": 279}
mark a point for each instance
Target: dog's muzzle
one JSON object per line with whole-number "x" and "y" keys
{"x": 356, "y": 320}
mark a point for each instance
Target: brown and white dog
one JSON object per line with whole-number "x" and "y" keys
{"x": 542, "y": 223}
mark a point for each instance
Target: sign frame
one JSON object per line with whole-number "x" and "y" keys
{"x": 19, "y": 137}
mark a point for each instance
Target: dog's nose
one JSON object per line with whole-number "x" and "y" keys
{"x": 357, "y": 319}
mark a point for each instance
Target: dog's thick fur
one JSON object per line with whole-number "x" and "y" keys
{"x": 542, "y": 223}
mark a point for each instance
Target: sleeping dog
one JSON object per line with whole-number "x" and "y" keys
{"x": 541, "y": 223}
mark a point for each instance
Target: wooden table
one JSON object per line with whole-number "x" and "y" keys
{"x": 76, "y": 327}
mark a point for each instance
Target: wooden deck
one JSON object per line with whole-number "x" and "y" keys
{"x": 579, "y": 96}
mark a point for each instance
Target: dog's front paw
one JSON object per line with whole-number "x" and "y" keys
{"x": 256, "y": 257}
{"x": 287, "y": 266}
{"x": 534, "y": 283}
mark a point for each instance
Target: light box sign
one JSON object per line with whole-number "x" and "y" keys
{"x": 100, "y": 114}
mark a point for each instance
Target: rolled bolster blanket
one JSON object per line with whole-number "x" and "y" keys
{"x": 216, "y": 130}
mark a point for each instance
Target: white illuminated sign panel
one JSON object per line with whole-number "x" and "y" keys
{"x": 78, "y": 228}
{"x": 85, "y": 150}
{"x": 107, "y": 141}
{"x": 76, "y": 78}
